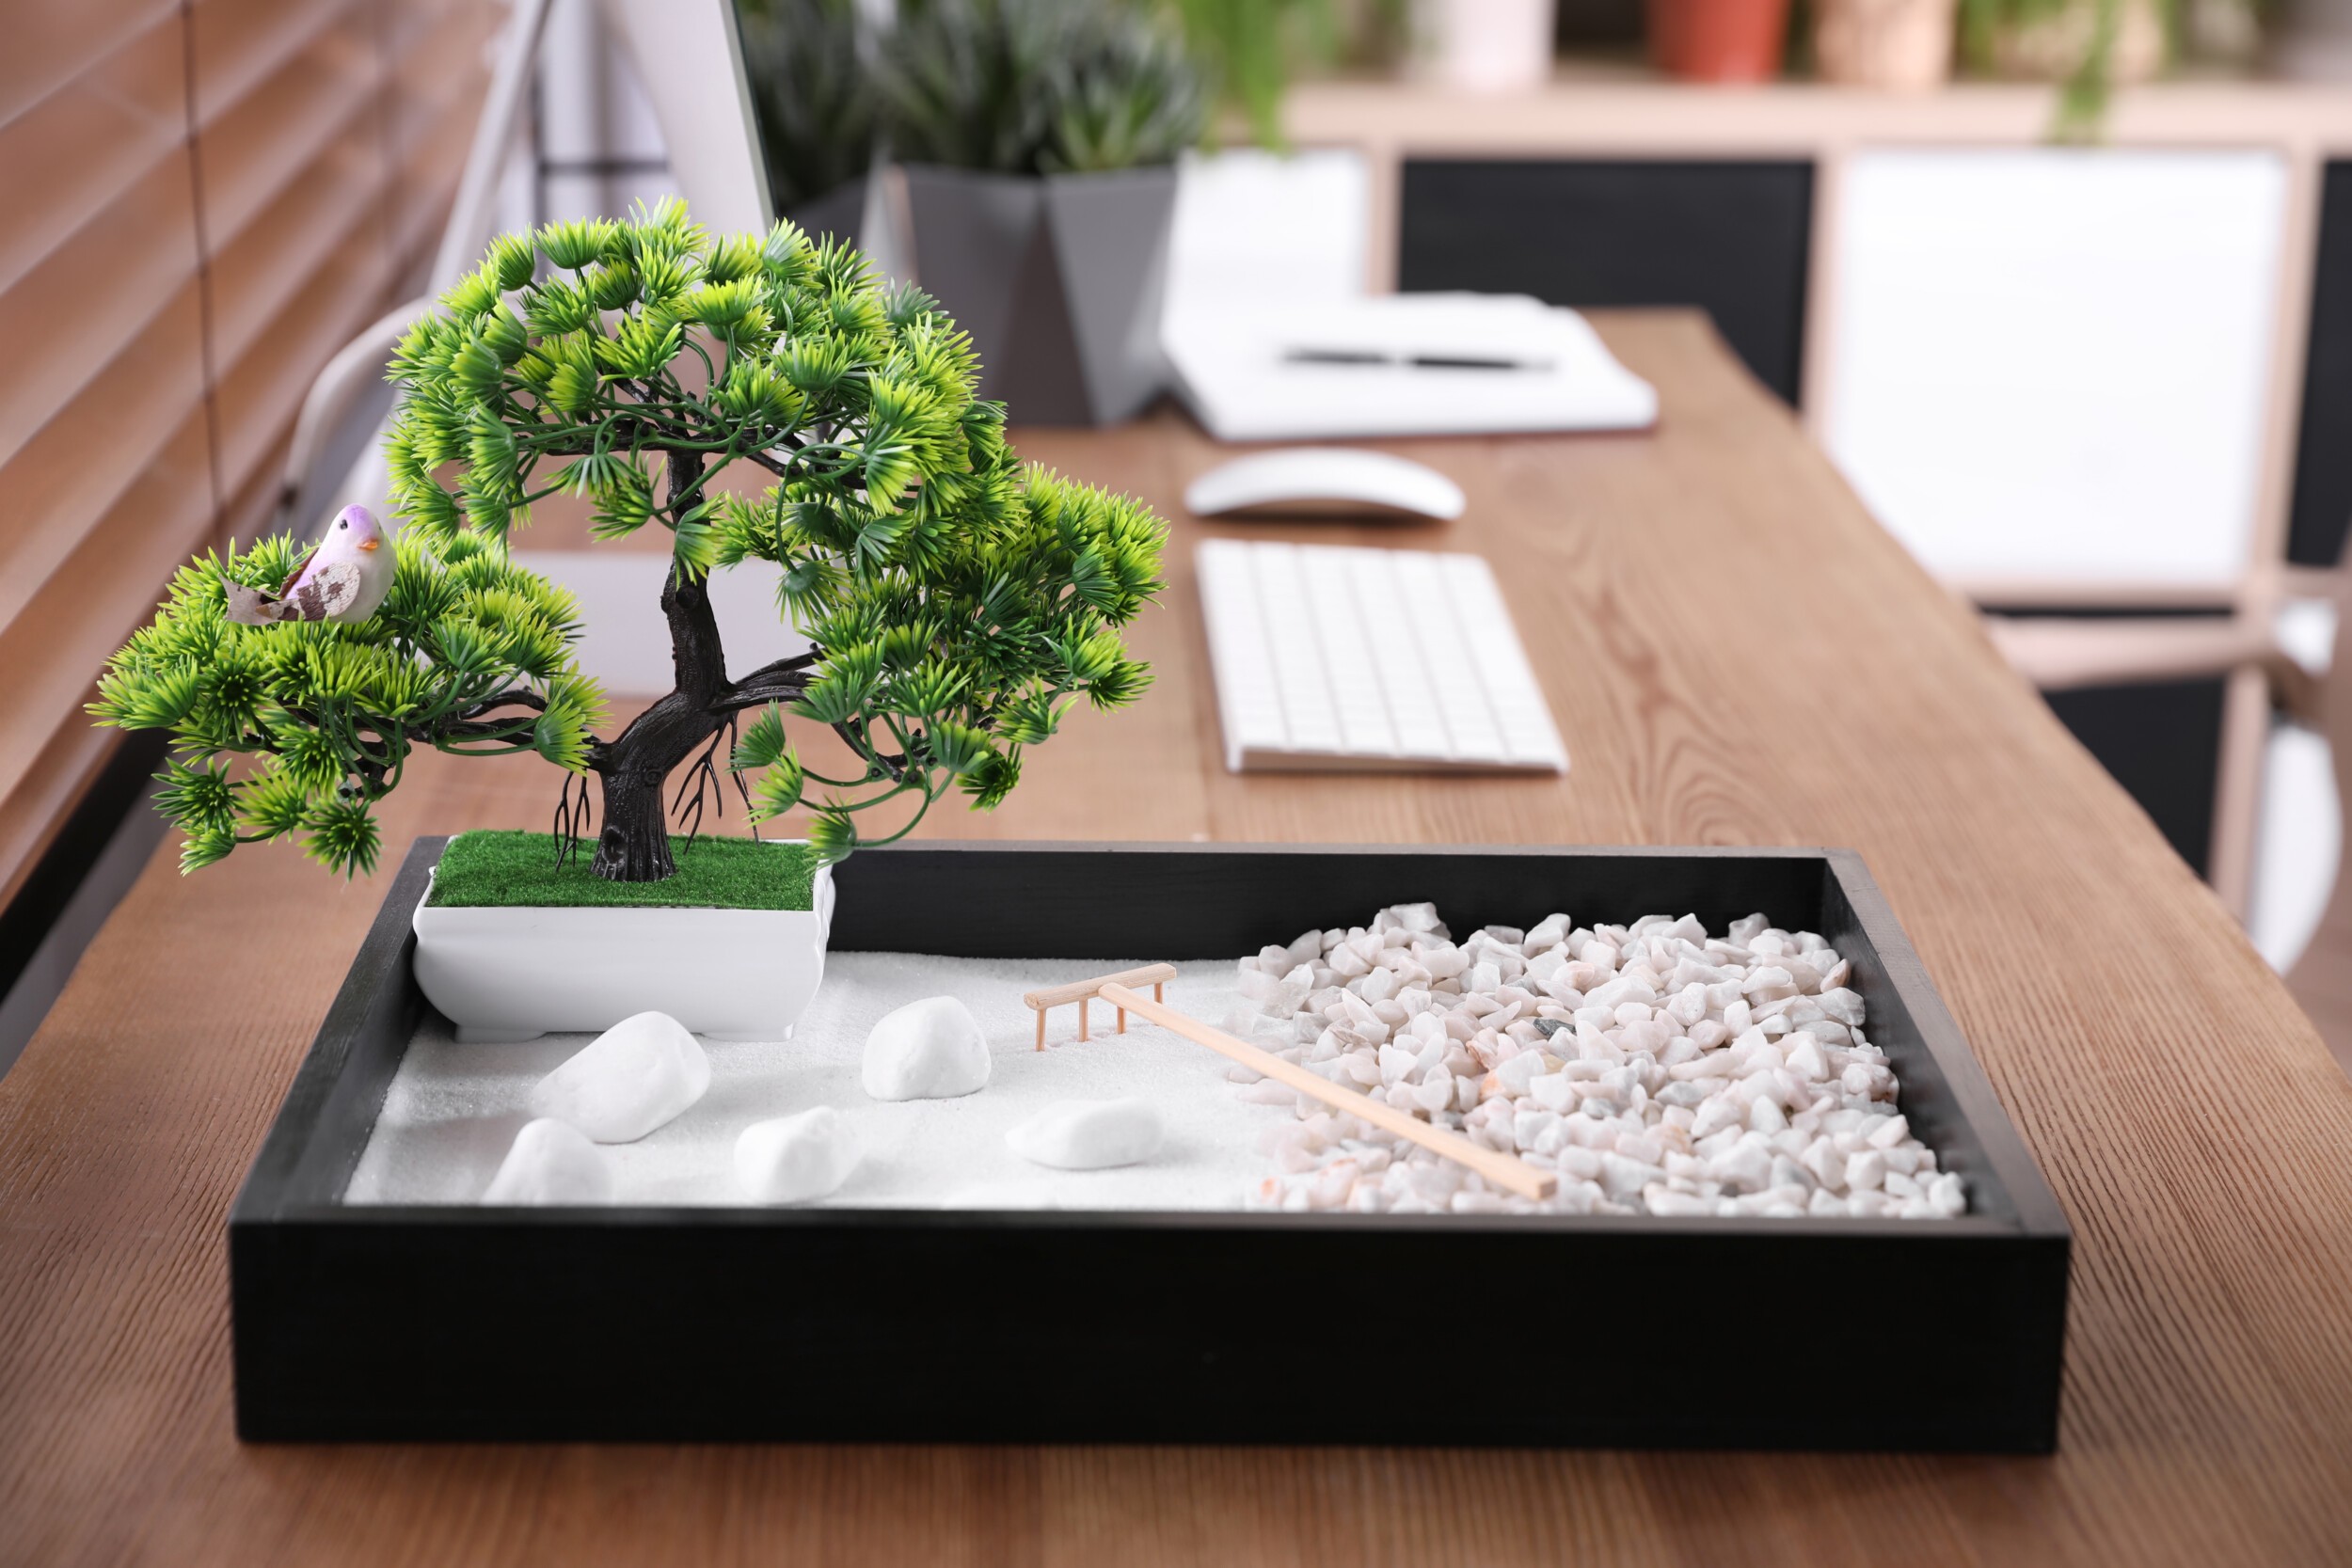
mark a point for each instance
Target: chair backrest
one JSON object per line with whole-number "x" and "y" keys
{"x": 2322, "y": 978}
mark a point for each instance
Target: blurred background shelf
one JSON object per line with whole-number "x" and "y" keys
{"x": 2078, "y": 382}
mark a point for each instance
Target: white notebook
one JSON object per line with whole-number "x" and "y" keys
{"x": 1333, "y": 658}
{"x": 1423, "y": 364}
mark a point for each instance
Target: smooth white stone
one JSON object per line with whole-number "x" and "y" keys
{"x": 551, "y": 1164}
{"x": 1088, "y": 1134}
{"x": 631, "y": 1078}
{"x": 928, "y": 1050}
{"x": 793, "y": 1159}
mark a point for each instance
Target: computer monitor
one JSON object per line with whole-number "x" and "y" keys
{"x": 689, "y": 58}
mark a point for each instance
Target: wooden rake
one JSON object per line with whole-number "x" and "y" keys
{"x": 1502, "y": 1170}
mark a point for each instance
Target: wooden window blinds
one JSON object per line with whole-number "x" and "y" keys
{"x": 203, "y": 200}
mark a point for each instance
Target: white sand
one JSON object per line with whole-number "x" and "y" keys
{"x": 453, "y": 1110}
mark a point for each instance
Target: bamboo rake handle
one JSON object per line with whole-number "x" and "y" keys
{"x": 1502, "y": 1169}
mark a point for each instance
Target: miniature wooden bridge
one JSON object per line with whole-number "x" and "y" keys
{"x": 1083, "y": 991}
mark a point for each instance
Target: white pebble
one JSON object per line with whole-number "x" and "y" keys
{"x": 793, "y": 1159}
{"x": 1088, "y": 1134}
{"x": 553, "y": 1162}
{"x": 928, "y": 1050}
{"x": 631, "y": 1078}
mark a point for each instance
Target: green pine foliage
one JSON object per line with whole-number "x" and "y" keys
{"x": 958, "y": 601}
{"x": 468, "y": 653}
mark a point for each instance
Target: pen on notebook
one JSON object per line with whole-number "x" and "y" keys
{"x": 1411, "y": 361}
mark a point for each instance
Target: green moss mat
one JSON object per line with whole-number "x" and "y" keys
{"x": 517, "y": 870}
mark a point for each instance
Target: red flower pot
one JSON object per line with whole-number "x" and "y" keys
{"x": 1718, "y": 41}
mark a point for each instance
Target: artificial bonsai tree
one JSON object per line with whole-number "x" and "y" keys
{"x": 955, "y": 600}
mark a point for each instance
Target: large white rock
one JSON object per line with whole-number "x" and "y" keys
{"x": 635, "y": 1076}
{"x": 928, "y": 1050}
{"x": 551, "y": 1164}
{"x": 793, "y": 1159}
{"x": 1088, "y": 1134}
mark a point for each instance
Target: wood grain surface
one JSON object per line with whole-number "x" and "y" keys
{"x": 1736, "y": 654}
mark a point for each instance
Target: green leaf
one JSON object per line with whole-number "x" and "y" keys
{"x": 1121, "y": 684}
{"x": 842, "y": 685}
{"x": 198, "y": 798}
{"x": 476, "y": 368}
{"x": 199, "y": 850}
{"x": 1031, "y": 719}
{"x": 718, "y": 304}
{"x": 505, "y": 332}
{"x": 511, "y": 257}
{"x": 957, "y": 748}
{"x": 694, "y": 545}
{"x": 554, "y": 307}
{"x": 624, "y": 505}
{"x": 762, "y": 744}
{"x": 274, "y": 804}
{"x": 991, "y": 779}
{"x": 779, "y": 789}
{"x": 612, "y": 286}
{"x": 831, "y": 834}
{"x": 474, "y": 294}
{"x": 573, "y": 387}
{"x": 343, "y": 836}
{"x": 575, "y": 243}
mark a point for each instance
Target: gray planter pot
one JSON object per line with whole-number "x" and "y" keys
{"x": 840, "y": 212}
{"x": 1057, "y": 278}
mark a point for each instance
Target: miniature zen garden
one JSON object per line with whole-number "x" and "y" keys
{"x": 627, "y": 1014}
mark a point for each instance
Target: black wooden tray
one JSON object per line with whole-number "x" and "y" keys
{"x": 389, "y": 1322}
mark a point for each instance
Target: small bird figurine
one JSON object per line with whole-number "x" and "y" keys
{"x": 343, "y": 578}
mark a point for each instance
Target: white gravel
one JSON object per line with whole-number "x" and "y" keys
{"x": 1654, "y": 1067}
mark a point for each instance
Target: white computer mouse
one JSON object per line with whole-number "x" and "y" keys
{"x": 1324, "y": 482}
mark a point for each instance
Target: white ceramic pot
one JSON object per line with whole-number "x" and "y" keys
{"x": 516, "y": 973}
{"x": 1485, "y": 46}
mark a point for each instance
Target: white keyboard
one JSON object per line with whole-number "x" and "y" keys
{"x": 1335, "y": 657}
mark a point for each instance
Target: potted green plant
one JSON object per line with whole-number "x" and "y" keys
{"x": 1038, "y": 139}
{"x": 956, "y": 602}
{"x": 1251, "y": 48}
{"x": 815, "y": 108}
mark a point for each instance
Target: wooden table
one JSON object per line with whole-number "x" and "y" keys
{"x": 1736, "y": 654}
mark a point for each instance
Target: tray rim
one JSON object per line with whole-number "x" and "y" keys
{"x": 264, "y": 1197}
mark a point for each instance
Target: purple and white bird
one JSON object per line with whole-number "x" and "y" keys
{"x": 343, "y": 578}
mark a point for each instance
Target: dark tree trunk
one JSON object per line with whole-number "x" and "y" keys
{"x": 635, "y": 843}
